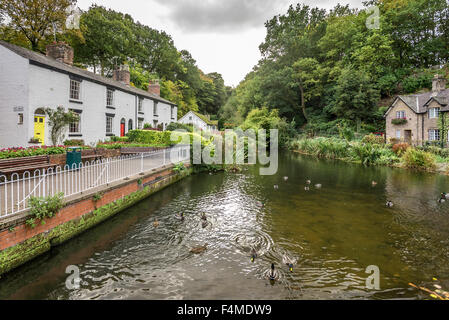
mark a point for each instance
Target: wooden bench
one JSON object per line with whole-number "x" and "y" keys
{"x": 20, "y": 165}
{"x": 136, "y": 150}
{"x": 89, "y": 154}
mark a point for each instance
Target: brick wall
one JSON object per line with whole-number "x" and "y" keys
{"x": 72, "y": 211}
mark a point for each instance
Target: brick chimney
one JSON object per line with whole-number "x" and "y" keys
{"x": 61, "y": 52}
{"x": 154, "y": 87}
{"x": 122, "y": 74}
{"x": 438, "y": 83}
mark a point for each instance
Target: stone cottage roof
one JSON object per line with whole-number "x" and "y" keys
{"x": 419, "y": 102}
{"x": 47, "y": 62}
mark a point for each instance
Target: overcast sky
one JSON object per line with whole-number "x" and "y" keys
{"x": 222, "y": 35}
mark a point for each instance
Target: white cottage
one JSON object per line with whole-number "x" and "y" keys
{"x": 200, "y": 121}
{"x": 30, "y": 82}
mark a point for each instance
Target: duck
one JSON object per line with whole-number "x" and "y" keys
{"x": 253, "y": 254}
{"x": 389, "y": 204}
{"x": 276, "y": 187}
{"x": 318, "y": 186}
{"x": 198, "y": 250}
{"x": 181, "y": 217}
{"x": 156, "y": 223}
{"x": 374, "y": 183}
{"x": 203, "y": 216}
{"x": 260, "y": 204}
{"x": 289, "y": 262}
{"x": 306, "y": 188}
{"x": 204, "y": 224}
{"x": 445, "y": 195}
{"x": 442, "y": 199}
{"x": 272, "y": 275}
{"x": 308, "y": 181}
{"x": 285, "y": 178}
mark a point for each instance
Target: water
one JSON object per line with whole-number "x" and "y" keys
{"x": 334, "y": 233}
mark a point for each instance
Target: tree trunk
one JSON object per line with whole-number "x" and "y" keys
{"x": 303, "y": 101}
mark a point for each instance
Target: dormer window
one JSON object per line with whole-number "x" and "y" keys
{"x": 400, "y": 115}
{"x": 110, "y": 98}
{"x": 434, "y": 113}
{"x": 75, "y": 90}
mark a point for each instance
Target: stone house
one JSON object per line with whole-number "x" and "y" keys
{"x": 30, "y": 82}
{"x": 414, "y": 118}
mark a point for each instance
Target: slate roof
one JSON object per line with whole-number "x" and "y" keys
{"x": 47, "y": 62}
{"x": 419, "y": 102}
{"x": 204, "y": 118}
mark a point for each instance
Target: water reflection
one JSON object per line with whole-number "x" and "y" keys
{"x": 331, "y": 234}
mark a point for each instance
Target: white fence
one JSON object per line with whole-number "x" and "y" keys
{"x": 16, "y": 192}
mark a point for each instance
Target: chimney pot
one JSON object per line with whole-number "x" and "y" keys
{"x": 61, "y": 52}
{"x": 438, "y": 83}
{"x": 122, "y": 74}
{"x": 154, "y": 87}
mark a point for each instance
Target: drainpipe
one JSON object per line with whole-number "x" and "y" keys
{"x": 136, "y": 101}
{"x": 422, "y": 127}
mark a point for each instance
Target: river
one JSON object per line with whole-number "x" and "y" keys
{"x": 334, "y": 233}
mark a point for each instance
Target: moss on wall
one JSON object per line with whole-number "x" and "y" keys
{"x": 29, "y": 249}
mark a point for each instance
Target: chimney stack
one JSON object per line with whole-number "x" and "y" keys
{"x": 438, "y": 83}
{"x": 61, "y": 52}
{"x": 122, "y": 74}
{"x": 154, "y": 87}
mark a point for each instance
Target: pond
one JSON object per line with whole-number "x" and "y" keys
{"x": 334, "y": 233}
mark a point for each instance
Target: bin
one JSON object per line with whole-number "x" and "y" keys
{"x": 73, "y": 157}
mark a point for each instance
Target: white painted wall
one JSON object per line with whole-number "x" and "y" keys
{"x": 48, "y": 88}
{"x": 13, "y": 93}
{"x": 195, "y": 120}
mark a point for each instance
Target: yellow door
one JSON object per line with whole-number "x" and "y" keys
{"x": 39, "y": 128}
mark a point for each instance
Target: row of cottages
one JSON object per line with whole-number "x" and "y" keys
{"x": 199, "y": 120}
{"x": 414, "y": 118}
{"x": 30, "y": 82}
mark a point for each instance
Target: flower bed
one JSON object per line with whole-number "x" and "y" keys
{"x": 31, "y": 151}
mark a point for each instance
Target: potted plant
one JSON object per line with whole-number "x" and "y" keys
{"x": 399, "y": 121}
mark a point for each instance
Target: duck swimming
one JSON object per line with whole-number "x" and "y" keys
{"x": 198, "y": 250}
{"x": 389, "y": 204}
{"x": 276, "y": 186}
{"x": 289, "y": 262}
{"x": 318, "y": 186}
{"x": 374, "y": 183}
{"x": 203, "y": 216}
{"x": 285, "y": 178}
{"x": 156, "y": 223}
{"x": 306, "y": 188}
{"x": 181, "y": 217}
{"x": 442, "y": 199}
{"x": 308, "y": 181}
{"x": 253, "y": 254}
{"x": 272, "y": 275}
{"x": 260, "y": 204}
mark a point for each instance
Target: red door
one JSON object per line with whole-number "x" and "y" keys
{"x": 122, "y": 129}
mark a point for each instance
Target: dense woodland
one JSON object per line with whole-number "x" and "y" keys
{"x": 326, "y": 70}
{"x": 320, "y": 71}
{"x": 106, "y": 39}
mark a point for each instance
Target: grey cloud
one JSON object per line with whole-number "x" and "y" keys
{"x": 221, "y": 15}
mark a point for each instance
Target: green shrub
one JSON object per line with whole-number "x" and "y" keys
{"x": 418, "y": 159}
{"x": 150, "y": 137}
{"x": 400, "y": 148}
{"x": 29, "y": 152}
{"x": 176, "y": 126}
{"x": 119, "y": 139}
{"x": 44, "y": 207}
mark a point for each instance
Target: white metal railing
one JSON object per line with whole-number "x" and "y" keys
{"x": 16, "y": 191}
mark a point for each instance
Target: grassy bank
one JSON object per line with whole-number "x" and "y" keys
{"x": 371, "y": 150}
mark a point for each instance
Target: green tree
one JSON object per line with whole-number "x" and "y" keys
{"x": 58, "y": 121}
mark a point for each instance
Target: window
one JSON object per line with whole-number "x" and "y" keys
{"x": 140, "y": 123}
{"x": 74, "y": 127}
{"x": 109, "y": 124}
{"x": 434, "y": 113}
{"x": 75, "y": 88}
{"x": 400, "y": 115}
{"x": 130, "y": 125}
{"x": 110, "y": 98}
{"x": 140, "y": 105}
{"x": 398, "y": 134}
{"x": 20, "y": 118}
{"x": 434, "y": 135}
{"x": 155, "y": 109}
{"x": 172, "y": 112}
{"x": 190, "y": 118}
